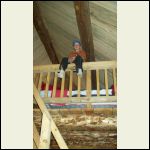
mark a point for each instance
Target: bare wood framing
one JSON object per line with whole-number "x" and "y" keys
{"x": 62, "y": 86}
{"x": 43, "y": 33}
{"x": 106, "y": 82}
{"x": 88, "y": 83}
{"x": 55, "y": 85}
{"x": 54, "y": 128}
{"x": 40, "y": 81}
{"x": 79, "y": 86}
{"x": 86, "y": 66}
{"x": 70, "y": 100}
{"x": 115, "y": 82}
{"x": 98, "y": 82}
{"x": 47, "y": 84}
{"x": 36, "y": 136}
{"x": 45, "y": 133}
{"x": 70, "y": 84}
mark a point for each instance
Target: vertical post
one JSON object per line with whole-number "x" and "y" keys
{"x": 36, "y": 136}
{"x": 45, "y": 133}
{"x": 98, "y": 82}
{"x": 79, "y": 86}
{"x": 115, "y": 82}
{"x": 37, "y": 79}
{"x": 88, "y": 83}
{"x": 70, "y": 83}
{"x": 55, "y": 85}
{"x": 40, "y": 81}
{"x": 106, "y": 82}
{"x": 62, "y": 86}
{"x": 47, "y": 84}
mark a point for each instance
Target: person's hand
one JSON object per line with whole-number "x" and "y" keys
{"x": 71, "y": 59}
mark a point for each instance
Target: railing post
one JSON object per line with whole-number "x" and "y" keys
{"x": 47, "y": 84}
{"x": 55, "y": 85}
{"x": 62, "y": 86}
{"x": 98, "y": 82}
{"x": 40, "y": 82}
{"x": 115, "y": 82}
{"x": 106, "y": 82}
{"x": 79, "y": 86}
{"x": 70, "y": 83}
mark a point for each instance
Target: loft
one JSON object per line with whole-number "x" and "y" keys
{"x": 48, "y": 124}
{"x": 45, "y": 74}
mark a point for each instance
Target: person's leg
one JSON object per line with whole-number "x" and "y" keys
{"x": 63, "y": 67}
{"x": 78, "y": 62}
{"x": 64, "y": 63}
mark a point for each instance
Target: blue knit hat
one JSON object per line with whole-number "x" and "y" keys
{"x": 76, "y": 41}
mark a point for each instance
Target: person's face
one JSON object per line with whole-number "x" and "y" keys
{"x": 77, "y": 46}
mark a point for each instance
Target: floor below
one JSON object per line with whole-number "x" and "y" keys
{"x": 84, "y": 128}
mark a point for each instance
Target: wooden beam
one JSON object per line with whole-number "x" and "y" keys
{"x": 84, "y": 25}
{"x": 36, "y": 136}
{"x": 82, "y": 11}
{"x": 43, "y": 33}
{"x": 79, "y": 100}
{"x": 45, "y": 133}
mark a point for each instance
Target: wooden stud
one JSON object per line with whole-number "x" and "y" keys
{"x": 37, "y": 79}
{"x": 106, "y": 82}
{"x": 70, "y": 83}
{"x": 79, "y": 85}
{"x": 54, "y": 85}
{"x": 36, "y": 136}
{"x": 115, "y": 82}
{"x": 45, "y": 133}
{"x": 98, "y": 82}
{"x": 47, "y": 84}
{"x": 40, "y": 82}
{"x": 88, "y": 83}
{"x": 62, "y": 86}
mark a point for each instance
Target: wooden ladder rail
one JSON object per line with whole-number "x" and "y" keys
{"x": 53, "y": 128}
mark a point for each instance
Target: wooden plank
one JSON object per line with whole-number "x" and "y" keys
{"x": 47, "y": 84}
{"x": 98, "y": 82}
{"x": 106, "y": 82}
{"x": 88, "y": 83}
{"x": 43, "y": 33}
{"x": 54, "y": 85}
{"x": 62, "y": 86}
{"x": 37, "y": 79}
{"x": 34, "y": 77}
{"x": 79, "y": 86}
{"x": 40, "y": 81}
{"x": 70, "y": 83}
{"x": 70, "y": 100}
{"x": 54, "y": 128}
{"x": 86, "y": 66}
{"x": 45, "y": 133}
{"x": 115, "y": 82}
{"x": 36, "y": 136}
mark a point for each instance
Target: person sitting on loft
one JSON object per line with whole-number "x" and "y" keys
{"x": 77, "y": 56}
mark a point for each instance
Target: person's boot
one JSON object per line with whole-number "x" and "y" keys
{"x": 61, "y": 73}
{"x": 79, "y": 72}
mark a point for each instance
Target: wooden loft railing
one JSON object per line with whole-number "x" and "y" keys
{"x": 87, "y": 67}
{"x": 42, "y": 141}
